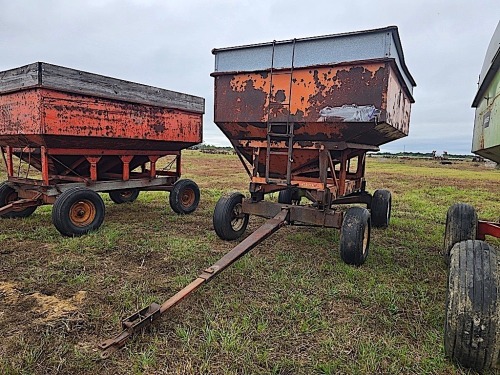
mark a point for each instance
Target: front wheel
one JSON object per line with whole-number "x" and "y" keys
{"x": 355, "y": 236}
{"x": 9, "y": 195}
{"x": 472, "y": 326}
{"x": 78, "y": 211}
{"x": 229, "y": 220}
{"x": 184, "y": 197}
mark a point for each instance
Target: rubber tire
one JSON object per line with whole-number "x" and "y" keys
{"x": 355, "y": 227}
{"x": 176, "y": 196}
{"x": 5, "y": 192}
{"x": 472, "y": 321}
{"x": 62, "y": 206}
{"x": 289, "y": 196}
{"x": 117, "y": 197}
{"x": 461, "y": 225}
{"x": 381, "y": 208}
{"x": 224, "y": 214}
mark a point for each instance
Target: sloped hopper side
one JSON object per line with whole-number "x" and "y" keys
{"x": 360, "y": 103}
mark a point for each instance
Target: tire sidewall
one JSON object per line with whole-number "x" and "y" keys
{"x": 381, "y": 208}
{"x": 5, "y": 191}
{"x": 175, "y": 198}
{"x": 222, "y": 217}
{"x": 356, "y": 222}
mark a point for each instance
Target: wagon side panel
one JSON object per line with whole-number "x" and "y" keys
{"x": 83, "y": 116}
{"x": 20, "y": 118}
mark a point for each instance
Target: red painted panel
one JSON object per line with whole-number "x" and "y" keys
{"x": 76, "y": 115}
{"x": 20, "y": 113}
{"x": 38, "y": 117}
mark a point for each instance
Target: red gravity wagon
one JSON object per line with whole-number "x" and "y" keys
{"x": 66, "y": 135}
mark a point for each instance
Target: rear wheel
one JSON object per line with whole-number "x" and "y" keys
{"x": 289, "y": 196}
{"x": 184, "y": 197}
{"x": 355, "y": 236}
{"x": 78, "y": 211}
{"x": 461, "y": 225}
{"x": 472, "y": 327}
{"x": 229, "y": 220}
{"x": 381, "y": 208}
{"x": 124, "y": 196}
{"x": 9, "y": 195}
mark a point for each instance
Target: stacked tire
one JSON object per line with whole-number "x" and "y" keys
{"x": 472, "y": 321}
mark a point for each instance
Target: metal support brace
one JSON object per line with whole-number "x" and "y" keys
{"x": 487, "y": 228}
{"x": 147, "y": 315}
{"x": 126, "y": 159}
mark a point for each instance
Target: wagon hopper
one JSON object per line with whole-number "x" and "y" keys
{"x": 301, "y": 116}
{"x": 76, "y": 133}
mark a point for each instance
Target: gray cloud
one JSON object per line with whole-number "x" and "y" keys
{"x": 168, "y": 44}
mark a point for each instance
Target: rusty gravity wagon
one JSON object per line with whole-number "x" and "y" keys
{"x": 301, "y": 115}
{"x": 75, "y": 134}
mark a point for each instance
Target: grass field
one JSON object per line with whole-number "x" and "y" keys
{"x": 289, "y": 307}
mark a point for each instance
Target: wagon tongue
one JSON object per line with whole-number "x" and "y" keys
{"x": 143, "y": 318}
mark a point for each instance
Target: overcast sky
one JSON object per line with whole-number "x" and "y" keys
{"x": 168, "y": 44}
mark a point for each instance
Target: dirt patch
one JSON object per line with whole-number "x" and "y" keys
{"x": 8, "y": 293}
{"x": 52, "y": 308}
{"x": 47, "y": 308}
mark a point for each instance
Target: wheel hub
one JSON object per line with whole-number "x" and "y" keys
{"x": 82, "y": 213}
{"x": 237, "y": 217}
{"x": 187, "y": 197}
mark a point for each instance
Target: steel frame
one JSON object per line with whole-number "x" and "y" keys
{"x": 36, "y": 192}
{"x": 489, "y": 228}
{"x": 333, "y": 181}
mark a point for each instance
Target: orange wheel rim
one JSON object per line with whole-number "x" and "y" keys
{"x": 82, "y": 213}
{"x": 187, "y": 197}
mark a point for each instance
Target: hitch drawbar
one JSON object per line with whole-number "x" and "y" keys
{"x": 147, "y": 315}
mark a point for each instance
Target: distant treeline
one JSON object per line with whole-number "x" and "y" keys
{"x": 204, "y": 146}
{"x": 423, "y": 155}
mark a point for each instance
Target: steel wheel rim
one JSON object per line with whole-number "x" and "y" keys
{"x": 366, "y": 237}
{"x": 126, "y": 194}
{"x": 188, "y": 197}
{"x": 237, "y": 218}
{"x": 82, "y": 213}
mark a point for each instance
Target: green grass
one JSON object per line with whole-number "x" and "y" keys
{"x": 291, "y": 306}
